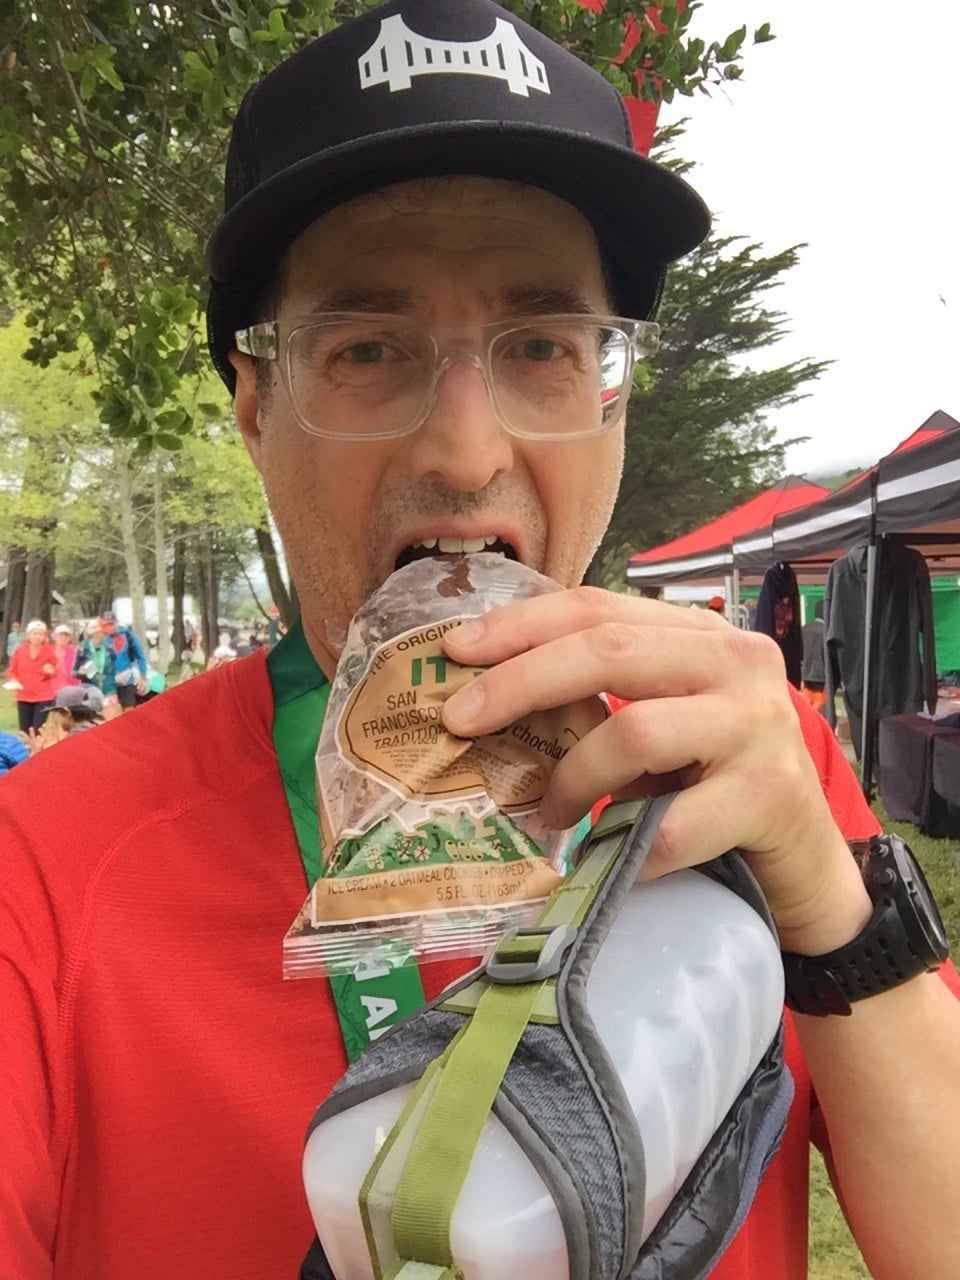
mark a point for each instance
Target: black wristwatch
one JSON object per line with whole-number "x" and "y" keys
{"x": 903, "y": 938}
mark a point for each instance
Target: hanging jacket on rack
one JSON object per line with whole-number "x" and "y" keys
{"x": 906, "y": 655}
{"x": 778, "y": 616}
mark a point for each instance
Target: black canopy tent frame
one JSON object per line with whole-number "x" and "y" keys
{"x": 869, "y": 724}
{"x": 911, "y": 495}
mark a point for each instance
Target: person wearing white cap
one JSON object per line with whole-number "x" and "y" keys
{"x": 31, "y": 674}
{"x": 221, "y": 654}
{"x": 66, "y": 653}
{"x": 437, "y": 270}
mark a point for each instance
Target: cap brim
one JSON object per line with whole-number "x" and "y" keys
{"x": 645, "y": 216}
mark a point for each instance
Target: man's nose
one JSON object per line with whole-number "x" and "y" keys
{"x": 461, "y": 440}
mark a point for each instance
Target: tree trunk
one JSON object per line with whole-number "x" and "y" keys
{"x": 284, "y": 600}
{"x": 128, "y": 536}
{"x": 13, "y": 595}
{"x": 208, "y": 592}
{"x": 38, "y": 589}
{"x": 160, "y": 560}
{"x": 179, "y": 640}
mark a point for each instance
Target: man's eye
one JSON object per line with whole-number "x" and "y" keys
{"x": 541, "y": 349}
{"x": 365, "y": 352}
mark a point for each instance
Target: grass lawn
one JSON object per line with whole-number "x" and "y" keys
{"x": 833, "y": 1255}
{"x": 8, "y": 711}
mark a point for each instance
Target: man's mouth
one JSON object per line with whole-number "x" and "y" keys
{"x": 425, "y": 547}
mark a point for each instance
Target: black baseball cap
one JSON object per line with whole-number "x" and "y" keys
{"x": 424, "y": 88}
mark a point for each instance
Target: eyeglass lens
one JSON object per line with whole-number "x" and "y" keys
{"x": 368, "y": 376}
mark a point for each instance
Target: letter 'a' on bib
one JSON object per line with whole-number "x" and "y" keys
{"x": 598, "y": 1102}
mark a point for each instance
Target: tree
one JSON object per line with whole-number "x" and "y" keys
{"x": 697, "y": 436}
{"x": 45, "y": 416}
{"x": 114, "y": 119}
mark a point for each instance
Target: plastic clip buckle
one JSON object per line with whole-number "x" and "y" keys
{"x": 556, "y": 943}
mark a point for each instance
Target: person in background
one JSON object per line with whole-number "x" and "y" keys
{"x": 221, "y": 655}
{"x": 129, "y": 661}
{"x": 66, "y": 654}
{"x": 13, "y": 638}
{"x": 95, "y": 660}
{"x": 78, "y": 708}
{"x": 13, "y": 751}
{"x": 31, "y": 673}
{"x": 813, "y": 669}
{"x": 156, "y": 683}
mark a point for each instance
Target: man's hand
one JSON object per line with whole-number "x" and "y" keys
{"x": 48, "y": 735}
{"x": 709, "y": 714}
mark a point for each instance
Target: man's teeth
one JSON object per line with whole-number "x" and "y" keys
{"x": 456, "y": 546}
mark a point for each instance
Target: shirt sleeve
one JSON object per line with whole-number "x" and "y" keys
{"x": 848, "y": 805}
{"x": 31, "y": 1058}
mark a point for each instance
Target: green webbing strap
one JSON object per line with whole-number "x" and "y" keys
{"x": 371, "y": 1000}
{"x": 379, "y": 1186}
{"x": 300, "y": 693}
{"x": 449, "y": 1115}
{"x": 434, "y": 1174}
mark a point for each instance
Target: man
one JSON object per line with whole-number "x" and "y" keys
{"x": 77, "y": 708}
{"x": 130, "y": 662}
{"x": 396, "y": 237}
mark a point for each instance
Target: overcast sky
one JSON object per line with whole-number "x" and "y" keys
{"x": 843, "y": 134}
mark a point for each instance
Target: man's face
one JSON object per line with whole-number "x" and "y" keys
{"x": 453, "y": 253}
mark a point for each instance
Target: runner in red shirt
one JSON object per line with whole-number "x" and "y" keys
{"x": 31, "y": 674}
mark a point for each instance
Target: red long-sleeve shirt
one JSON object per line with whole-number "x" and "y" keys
{"x": 156, "y": 1073}
{"x": 28, "y": 669}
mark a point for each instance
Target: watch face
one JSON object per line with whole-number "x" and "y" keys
{"x": 926, "y": 914}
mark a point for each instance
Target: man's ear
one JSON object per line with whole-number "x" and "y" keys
{"x": 246, "y": 403}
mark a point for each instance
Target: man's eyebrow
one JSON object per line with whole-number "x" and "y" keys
{"x": 391, "y": 301}
{"x": 516, "y": 300}
{"x": 527, "y": 300}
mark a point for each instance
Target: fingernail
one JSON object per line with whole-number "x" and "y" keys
{"x": 465, "y": 704}
{"x": 466, "y": 632}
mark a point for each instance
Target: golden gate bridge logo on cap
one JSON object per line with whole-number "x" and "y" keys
{"x": 398, "y": 54}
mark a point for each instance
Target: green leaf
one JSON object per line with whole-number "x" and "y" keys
{"x": 197, "y": 76}
{"x": 167, "y": 441}
{"x": 731, "y": 46}
{"x": 88, "y": 82}
{"x": 171, "y": 419}
{"x": 103, "y": 61}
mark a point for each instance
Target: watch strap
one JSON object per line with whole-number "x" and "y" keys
{"x": 892, "y": 948}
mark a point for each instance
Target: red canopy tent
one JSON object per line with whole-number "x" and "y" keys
{"x": 710, "y": 547}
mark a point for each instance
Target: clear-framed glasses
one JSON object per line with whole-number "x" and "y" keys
{"x": 360, "y": 376}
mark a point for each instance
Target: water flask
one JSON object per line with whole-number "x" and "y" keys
{"x": 686, "y": 993}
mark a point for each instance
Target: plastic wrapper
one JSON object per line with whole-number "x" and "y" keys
{"x": 431, "y": 843}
